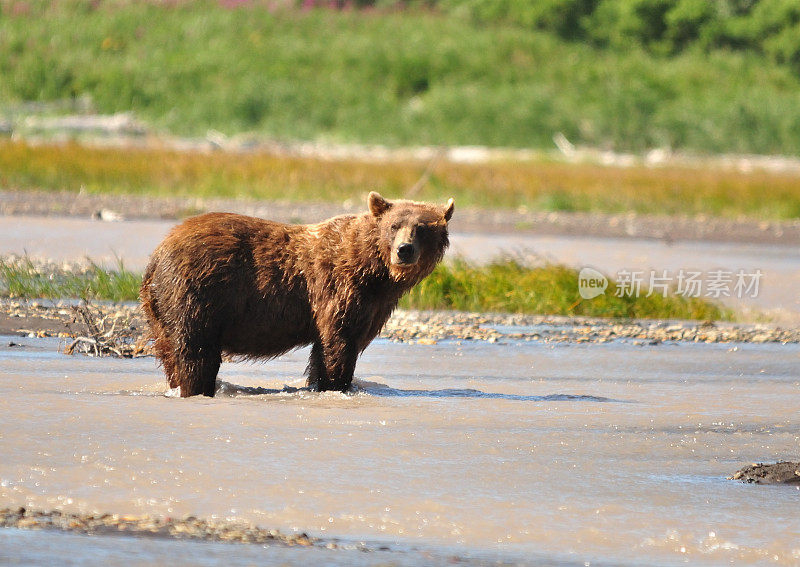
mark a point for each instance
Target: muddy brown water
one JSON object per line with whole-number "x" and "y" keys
{"x": 519, "y": 453}
{"x": 61, "y": 239}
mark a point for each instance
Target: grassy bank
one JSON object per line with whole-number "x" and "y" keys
{"x": 404, "y": 78}
{"x": 541, "y": 185}
{"x": 22, "y": 278}
{"x": 504, "y": 286}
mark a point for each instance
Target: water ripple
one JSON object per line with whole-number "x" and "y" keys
{"x": 364, "y": 388}
{"x": 472, "y": 393}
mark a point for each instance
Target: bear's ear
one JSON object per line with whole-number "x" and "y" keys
{"x": 448, "y": 209}
{"x": 377, "y": 204}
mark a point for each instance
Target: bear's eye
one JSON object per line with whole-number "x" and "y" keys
{"x": 396, "y": 225}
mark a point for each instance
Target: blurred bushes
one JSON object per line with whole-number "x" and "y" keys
{"x": 770, "y": 27}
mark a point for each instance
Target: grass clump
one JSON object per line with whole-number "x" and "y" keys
{"x": 509, "y": 286}
{"x": 24, "y": 278}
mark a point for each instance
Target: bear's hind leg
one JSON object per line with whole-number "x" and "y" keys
{"x": 197, "y": 374}
{"x": 165, "y": 352}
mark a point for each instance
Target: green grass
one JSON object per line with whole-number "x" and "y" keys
{"x": 508, "y": 286}
{"x": 24, "y": 279}
{"x": 503, "y": 286}
{"x": 401, "y": 78}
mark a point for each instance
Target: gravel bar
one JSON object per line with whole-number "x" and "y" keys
{"x": 187, "y": 527}
{"x": 42, "y": 318}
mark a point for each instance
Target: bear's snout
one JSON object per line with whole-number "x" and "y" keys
{"x": 407, "y": 253}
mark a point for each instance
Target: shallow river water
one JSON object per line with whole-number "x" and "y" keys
{"x": 518, "y": 453}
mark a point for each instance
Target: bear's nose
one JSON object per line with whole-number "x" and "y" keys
{"x": 405, "y": 252}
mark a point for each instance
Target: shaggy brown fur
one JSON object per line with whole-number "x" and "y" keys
{"x": 246, "y": 286}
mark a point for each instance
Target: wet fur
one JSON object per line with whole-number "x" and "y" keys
{"x": 246, "y": 286}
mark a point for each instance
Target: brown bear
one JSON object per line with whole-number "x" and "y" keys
{"x": 222, "y": 282}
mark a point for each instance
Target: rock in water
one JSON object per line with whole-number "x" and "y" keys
{"x": 785, "y": 472}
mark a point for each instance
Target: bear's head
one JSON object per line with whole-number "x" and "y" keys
{"x": 413, "y": 235}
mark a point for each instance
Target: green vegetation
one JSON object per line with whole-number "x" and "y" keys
{"x": 768, "y": 27}
{"x": 536, "y": 185}
{"x": 626, "y": 74}
{"x": 23, "y": 278}
{"x": 508, "y": 286}
{"x": 503, "y": 286}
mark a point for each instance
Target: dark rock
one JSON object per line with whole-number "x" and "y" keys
{"x": 784, "y": 472}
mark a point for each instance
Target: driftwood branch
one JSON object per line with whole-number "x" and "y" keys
{"x": 96, "y": 340}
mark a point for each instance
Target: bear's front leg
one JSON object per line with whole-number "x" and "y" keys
{"x": 331, "y": 365}
{"x": 317, "y": 377}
